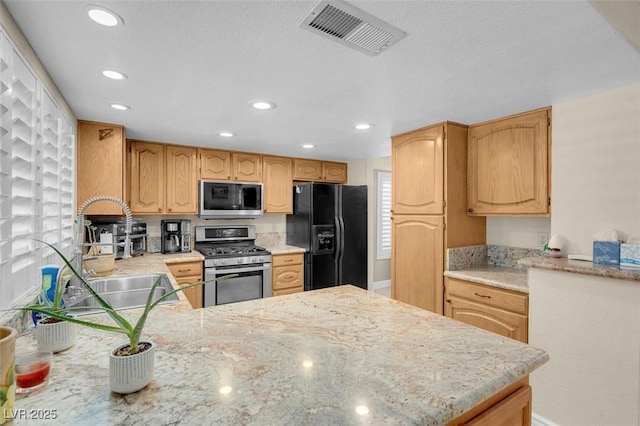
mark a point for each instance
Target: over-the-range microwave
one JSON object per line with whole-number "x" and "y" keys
{"x": 229, "y": 199}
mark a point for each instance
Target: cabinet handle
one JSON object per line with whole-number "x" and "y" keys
{"x": 159, "y": 209}
{"x": 169, "y": 209}
{"x": 470, "y": 210}
{"x": 184, "y": 270}
{"x": 288, "y": 260}
{"x": 482, "y": 295}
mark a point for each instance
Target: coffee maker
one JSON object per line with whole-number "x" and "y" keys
{"x": 175, "y": 235}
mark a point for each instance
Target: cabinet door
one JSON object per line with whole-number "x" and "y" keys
{"x": 508, "y": 170}
{"x": 147, "y": 177}
{"x": 334, "y": 172}
{"x": 182, "y": 179}
{"x": 417, "y": 161}
{"x": 417, "y": 261}
{"x": 101, "y": 160}
{"x": 187, "y": 273}
{"x": 246, "y": 167}
{"x": 492, "y": 319}
{"x": 307, "y": 170}
{"x": 277, "y": 178}
{"x": 215, "y": 164}
{"x": 514, "y": 410}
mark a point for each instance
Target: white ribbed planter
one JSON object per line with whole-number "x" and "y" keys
{"x": 128, "y": 374}
{"x": 55, "y": 337}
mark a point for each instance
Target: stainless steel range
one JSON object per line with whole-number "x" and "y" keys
{"x": 228, "y": 250}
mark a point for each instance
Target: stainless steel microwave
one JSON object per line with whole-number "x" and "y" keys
{"x": 229, "y": 200}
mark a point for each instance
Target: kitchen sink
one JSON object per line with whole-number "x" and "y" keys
{"x": 126, "y": 292}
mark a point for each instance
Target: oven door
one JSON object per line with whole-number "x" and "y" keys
{"x": 250, "y": 282}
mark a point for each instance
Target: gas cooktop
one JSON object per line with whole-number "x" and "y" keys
{"x": 229, "y": 251}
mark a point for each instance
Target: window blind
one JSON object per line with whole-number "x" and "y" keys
{"x": 384, "y": 214}
{"x": 36, "y": 172}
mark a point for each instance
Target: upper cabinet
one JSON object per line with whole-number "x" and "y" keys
{"x": 246, "y": 167}
{"x": 418, "y": 179}
{"x": 226, "y": 165}
{"x": 101, "y": 165}
{"x": 277, "y": 175}
{"x": 305, "y": 169}
{"x": 508, "y": 165}
{"x": 163, "y": 178}
{"x": 215, "y": 164}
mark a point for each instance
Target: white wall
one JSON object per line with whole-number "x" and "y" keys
{"x": 596, "y": 167}
{"x": 590, "y": 326}
{"x": 525, "y": 232}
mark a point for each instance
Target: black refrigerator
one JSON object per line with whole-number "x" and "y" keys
{"x": 330, "y": 222}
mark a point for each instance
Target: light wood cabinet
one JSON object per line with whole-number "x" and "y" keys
{"x": 307, "y": 170}
{"x": 429, "y": 211}
{"x": 417, "y": 260}
{"x": 287, "y": 274}
{"x": 509, "y": 407}
{"x": 214, "y": 164}
{"x": 246, "y": 167}
{"x": 509, "y": 165}
{"x": 163, "y": 178}
{"x": 319, "y": 171}
{"x": 493, "y": 309}
{"x": 334, "y": 172}
{"x": 418, "y": 181}
{"x": 187, "y": 273}
{"x": 147, "y": 177}
{"x": 101, "y": 165}
{"x": 182, "y": 179}
{"x": 277, "y": 175}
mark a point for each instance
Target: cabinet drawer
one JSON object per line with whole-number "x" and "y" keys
{"x": 287, "y": 291}
{"x": 186, "y": 269}
{"x": 287, "y": 259}
{"x": 503, "y": 299}
{"x": 288, "y": 276}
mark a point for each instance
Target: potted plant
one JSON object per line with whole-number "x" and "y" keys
{"x": 130, "y": 364}
{"x": 53, "y": 332}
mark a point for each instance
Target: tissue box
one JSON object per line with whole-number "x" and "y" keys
{"x": 606, "y": 252}
{"x": 630, "y": 255}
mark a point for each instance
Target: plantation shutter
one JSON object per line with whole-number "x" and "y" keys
{"x": 384, "y": 215}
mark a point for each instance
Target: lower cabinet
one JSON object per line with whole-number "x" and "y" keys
{"x": 493, "y": 309}
{"x": 510, "y": 407}
{"x": 288, "y": 274}
{"x": 189, "y": 273}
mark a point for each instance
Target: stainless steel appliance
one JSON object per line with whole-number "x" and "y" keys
{"x": 228, "y": 250}
{"x": 113, "y": 231}
{"x": 330, "y": 222}
{"x": 227, "y": 199}
{"x": 175, "y": 236}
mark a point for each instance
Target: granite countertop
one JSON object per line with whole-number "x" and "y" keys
{"x": 305, "y": 358}
{"x": 582, "y": 267}
{"x": 284, "y": 249}
{"x": 496, "y": 276}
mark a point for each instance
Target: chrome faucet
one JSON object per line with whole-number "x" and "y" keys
{"x": 80, "y": 230}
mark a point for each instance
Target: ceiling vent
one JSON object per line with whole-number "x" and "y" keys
{"x": 352, "y": 27}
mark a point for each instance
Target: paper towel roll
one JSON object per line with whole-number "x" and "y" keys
{"x": 106, "y": 238}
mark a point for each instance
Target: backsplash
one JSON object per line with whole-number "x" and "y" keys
{"x": 489, "y": 254}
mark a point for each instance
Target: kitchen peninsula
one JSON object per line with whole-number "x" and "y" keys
{"x": 332, "y": 356}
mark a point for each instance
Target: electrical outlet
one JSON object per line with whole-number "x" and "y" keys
{"x": 542, "y": 239}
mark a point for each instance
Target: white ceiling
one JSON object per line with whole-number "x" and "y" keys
{"x": 194, "y": 65}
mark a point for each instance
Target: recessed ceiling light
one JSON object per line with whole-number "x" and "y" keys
{"x": 308, "y": 146}
{"x": 262, "y": 105}
{"x": 103, "y": 16}
{"x": 226, "y": 134}
{"x": 114, "y": 75}
{"x": 363, "y": 126}
{"x": 120, "y": 107}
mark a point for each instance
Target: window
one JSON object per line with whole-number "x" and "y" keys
{"x": 384, "y": 215}
{"x": 36, "y": 171}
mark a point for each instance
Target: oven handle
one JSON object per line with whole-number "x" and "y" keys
{"x": 240, "y": 270}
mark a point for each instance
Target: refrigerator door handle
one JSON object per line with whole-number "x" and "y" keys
{"x": 341, "y": 221}
{"x": 337, "y": 239}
